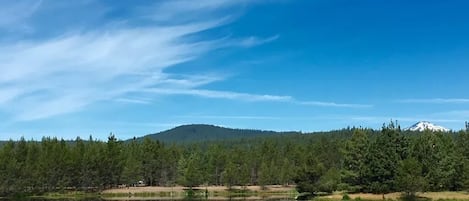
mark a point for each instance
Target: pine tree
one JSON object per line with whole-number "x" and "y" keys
{"x": 409, "y": 178}
{"x": 354, "y": 160}
{"x": 436, "y": 152}
{"x": 383, "y": 159}
{"x": 190, "y": 172}
{"x": 308, "y": 178}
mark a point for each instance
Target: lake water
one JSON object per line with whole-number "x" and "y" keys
{"x": 160, "y": 199}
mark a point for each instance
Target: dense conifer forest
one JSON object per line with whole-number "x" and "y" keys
{"x": 202, "y": 132}
{"x": 352, "y": 159}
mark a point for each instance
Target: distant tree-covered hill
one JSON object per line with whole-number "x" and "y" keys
{"x": 350, "y": 160}
{"x": 203, "y": 132}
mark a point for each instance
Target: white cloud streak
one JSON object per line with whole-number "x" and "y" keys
{"x": 63, "y": 74}
{"x": 188, "y": 10}
{"x": 218, "y": 94}
{"x": 436, "y": 100}
{"x": 244, "y": 117}
{"x": 385, "y": 119}
{"x": 332, "y": 104}
{"x": 46, "y": 77}
{"x": 254, "y": 41}
{"x": 14, "y": 14}
{"x": 249, "y": 97}
{"x": 133, "y": 101}
{"x": 463, "y": 114}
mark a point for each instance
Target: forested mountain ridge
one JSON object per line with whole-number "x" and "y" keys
{"x": 195, "y": 133}
{"x": 190, "y": 133}
{"x": 203, "y": 132}
{"x": 352, "y": 160}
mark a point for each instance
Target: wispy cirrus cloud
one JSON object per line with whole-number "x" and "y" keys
{"x": 243, "y": 117}
{"x": 218, "y": 94}
{"x": 133, "y": 100}
{"x": 65, "y": 74}
{"x": 249, "y": 97}
{"x": 48, "y": 76}
{"x": 347, "y": 118}
{"x": 180, "y": 11}
{"x": 436, "y": 100}
{"x": 124, "y": 61}
{"x": 461, "y": 114}
{"x": 254, "y": 41}
{"x": 407, "y": 119}
{"x": 14, "y": 14}
{"x": 333, "y": 104}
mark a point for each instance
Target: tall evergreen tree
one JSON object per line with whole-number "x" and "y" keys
{"x": 436, "y": 152}
{"x": 383, "y": 159}
{"x": 409, "y": 177}
{"x": 190, "y": 171}
{"x": 355, "y": 151}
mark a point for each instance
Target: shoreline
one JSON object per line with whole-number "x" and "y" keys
{"x": 444, "y": 195}
{"x": 256, "y": 192}
{"x": 158, "y": 189}
{"x": 209, "y": 192}
{"x": 237, "y": 192}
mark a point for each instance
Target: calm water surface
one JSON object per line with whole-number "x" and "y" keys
{"x": 161, "y": 199}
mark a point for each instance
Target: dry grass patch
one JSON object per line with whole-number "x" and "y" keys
{"x": 458, "y": 195}
{"x": 365, "y": 196}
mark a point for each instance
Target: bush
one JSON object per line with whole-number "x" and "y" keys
{"x": 343, "y": 187}
{"x": 346, "y": 197}
{"x": 413, "y": 197}
{"x": 348, "y": 188}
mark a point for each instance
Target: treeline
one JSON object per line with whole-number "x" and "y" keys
{"x": 355, "y": 160}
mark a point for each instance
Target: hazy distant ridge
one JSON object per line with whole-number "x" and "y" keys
{"x": 203, "y": 132}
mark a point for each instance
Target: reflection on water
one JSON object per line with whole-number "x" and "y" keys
{"x": 161, "y": 199}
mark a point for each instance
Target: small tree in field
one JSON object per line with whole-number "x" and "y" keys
{"x": 409, "y": 178}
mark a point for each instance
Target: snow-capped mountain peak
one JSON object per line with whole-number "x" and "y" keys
{"x": 423, "y": 125}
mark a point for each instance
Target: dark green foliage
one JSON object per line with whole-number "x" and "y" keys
{"x": 346, "y": 197}
{"x": 329, "y": 181}
{"x": 309, "y": 176}
{"x": 383, "y": 159}
{"x": 349, "y": 159}
{"x": 436, "y": 153}
{"x": 409, "y": 178}
{"x": 113, "y": 160}
{"x": 462, "y": 144}
{"x": 201, "y": 132}
{"x": 191, "y": 172}
{"x": 355, "y": 157}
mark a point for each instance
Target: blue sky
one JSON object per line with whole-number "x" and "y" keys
{"x": 80, "y": 68}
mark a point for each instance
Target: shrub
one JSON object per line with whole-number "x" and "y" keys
{"x": 346, "y": 197}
